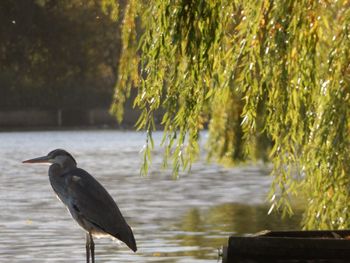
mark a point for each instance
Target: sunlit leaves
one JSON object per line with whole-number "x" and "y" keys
{"x": 110, "y": 8}
{"x": 270, "y": 78}
{"x": 327, "y": 159}
{"x": 129, "y": 60}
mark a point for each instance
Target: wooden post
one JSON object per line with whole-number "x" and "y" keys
{"x": 91, "y": 116}
{"x": 294, "y": 246}
{"x": 59, "y": 117}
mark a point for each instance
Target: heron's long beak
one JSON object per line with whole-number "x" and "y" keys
{"x": 43, "y": 159}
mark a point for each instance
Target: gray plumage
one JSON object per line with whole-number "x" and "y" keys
{"x": 87, "y": 200}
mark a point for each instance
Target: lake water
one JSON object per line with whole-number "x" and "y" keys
{"x": 184, "y": 220}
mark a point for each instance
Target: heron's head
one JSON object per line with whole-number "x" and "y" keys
{"x": 58, "y": 156}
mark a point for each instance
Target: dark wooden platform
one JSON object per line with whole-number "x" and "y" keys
{"x": 289, "y": 246}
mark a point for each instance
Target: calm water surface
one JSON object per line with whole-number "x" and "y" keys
{"x": 183, "y": 220}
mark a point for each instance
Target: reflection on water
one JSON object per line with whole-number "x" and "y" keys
{"x": 201, "y": 227}
{"x": 174, "y": 221}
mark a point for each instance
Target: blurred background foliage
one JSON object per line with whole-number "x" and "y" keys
{"x": 58, "y": 54}
{"x": 270, "y": 80}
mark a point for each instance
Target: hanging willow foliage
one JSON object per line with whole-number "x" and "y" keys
{"x": 270, "y": 78}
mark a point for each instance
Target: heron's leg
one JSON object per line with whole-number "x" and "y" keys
{"x": 87, "y": 247}
{"x": 92, "y": 247}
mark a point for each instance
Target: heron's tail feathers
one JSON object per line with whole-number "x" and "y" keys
{"x": 132, "y": 242}
{"x": 128, "y": 238}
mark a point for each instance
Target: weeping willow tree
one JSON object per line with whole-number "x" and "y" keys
{"x": 270, "y": 79}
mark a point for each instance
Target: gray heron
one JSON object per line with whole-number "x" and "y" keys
{"x": 87, "y": 201}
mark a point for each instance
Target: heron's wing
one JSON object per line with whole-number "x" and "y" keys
{"x": 92, "y": 201}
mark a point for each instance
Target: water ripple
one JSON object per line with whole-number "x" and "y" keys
{"x": 183, "y": 220}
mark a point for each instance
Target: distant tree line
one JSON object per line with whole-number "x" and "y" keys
{"x": 58, "y": 54}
